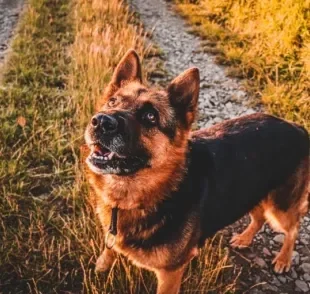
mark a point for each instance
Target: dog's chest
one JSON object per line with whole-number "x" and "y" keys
{"x": 158, "y": 244}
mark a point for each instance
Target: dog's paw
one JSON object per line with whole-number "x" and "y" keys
{"x": 240, "y": 241}
{"x": 104, "y": 262}
{"x": 282, "y": 263}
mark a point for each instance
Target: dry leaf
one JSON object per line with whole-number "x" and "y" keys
{"x": 21, "y": 121}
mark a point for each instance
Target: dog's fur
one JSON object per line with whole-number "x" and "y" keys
{"x": 174, "y": 188}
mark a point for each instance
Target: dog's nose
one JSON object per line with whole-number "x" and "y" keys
{"x": 105, "y": 122}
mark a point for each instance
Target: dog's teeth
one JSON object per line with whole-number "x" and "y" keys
{"x": 105, "y": 158}
{"x": 110, "y": 156}
{"x": 97, "y": 156}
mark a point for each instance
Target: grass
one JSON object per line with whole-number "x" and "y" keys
{"x": 267, "y": 42}
{"x": 61, "y": 60}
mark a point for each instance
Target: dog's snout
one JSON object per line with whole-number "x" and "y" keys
{"x": 106, "y": 123}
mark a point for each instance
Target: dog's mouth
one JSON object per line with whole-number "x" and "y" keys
{"x": 103, "y": 154}
{"x": 103, "y": 160}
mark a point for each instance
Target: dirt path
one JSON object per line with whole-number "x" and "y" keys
{"x": 9, "y": 12}
{"x": 220, "y": 97}
{"x": 223, "y": 98}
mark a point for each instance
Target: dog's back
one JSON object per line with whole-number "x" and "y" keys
{"x": 251, "y": 156}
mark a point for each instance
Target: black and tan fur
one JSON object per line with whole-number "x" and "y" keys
{"x": 175, "y": 188}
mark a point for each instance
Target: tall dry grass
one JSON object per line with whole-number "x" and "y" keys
{"x": 268, "y": 42}
{"x": 104, "y": 31}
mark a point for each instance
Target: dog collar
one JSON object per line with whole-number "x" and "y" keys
{"x": 110, "y": 236}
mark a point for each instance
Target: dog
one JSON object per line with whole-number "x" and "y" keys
{"x": 161, "y": 190}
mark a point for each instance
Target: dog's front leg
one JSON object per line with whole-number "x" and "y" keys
{"x": 169, "y": 282}
{"x": 105, "y": 260}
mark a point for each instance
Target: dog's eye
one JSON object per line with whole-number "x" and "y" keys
{"x": 150, "y": 117}
{"x": 112, "y": 102}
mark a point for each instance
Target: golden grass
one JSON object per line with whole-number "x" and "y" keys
{"x": 268, "y": 42}
{"x": 62, "y": 58}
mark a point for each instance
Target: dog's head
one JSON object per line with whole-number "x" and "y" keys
{"x": 139, "y": 128}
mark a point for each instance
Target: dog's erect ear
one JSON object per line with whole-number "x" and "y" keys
{"x": 183, "y": 94}
{"x": 128, "y": 69}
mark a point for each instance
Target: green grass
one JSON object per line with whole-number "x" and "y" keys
{"x": 38, "y": 156}
{"x": 267, "y": 42}
{"x": 63, "y": 56}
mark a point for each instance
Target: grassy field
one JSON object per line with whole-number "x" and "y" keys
{"x": 267, "y": 42}
{"x": 62, "y": 58}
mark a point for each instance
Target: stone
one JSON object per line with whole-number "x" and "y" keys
{"x": 282, "y": 279}
{"x": 217, "y": 120}
{"x": 296, "y": 257}
{"x": 276, "y": 282}
{"x": 256, "y": 291}
{"x": 304, "y": 241}
{"x": 260, "y": 262}
{"x": 240, "y": 94}
{"x": 305, "y": 258}
{"x": 250, "y": 111}
{"x": 306, "y": 277}
{"x": 266, "y": 251}
{"x": 269, "y": 287}
{"x": 293, "y": 273}
{"x": 228, "y": 105}
{"x": 302, "y": 285}
{"x": 305, "y": 267}
{"x": 279, "y": 238}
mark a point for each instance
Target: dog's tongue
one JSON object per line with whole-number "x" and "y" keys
{"x": 98, "y": 150}
{"x": 101, "y": 151}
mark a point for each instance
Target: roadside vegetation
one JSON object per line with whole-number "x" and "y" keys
{"x": 62, "y": 57}
{"x": 266, "y": 42}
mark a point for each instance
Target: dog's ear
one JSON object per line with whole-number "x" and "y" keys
{"x": 183, "y": 94}
{"x": 128, "y": 69}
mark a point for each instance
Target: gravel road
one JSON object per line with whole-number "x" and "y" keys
{"x": 223, "y": 98}
{"x": 9, "y": 12}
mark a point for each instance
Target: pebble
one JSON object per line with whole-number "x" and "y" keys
{"x": 304, "y": 241}
{"x": 307, "y": 277}
{"x": 305, "y": 268}
{"x": 276, "y": 282}
{"x": 279, "y": 238}
{"x": 294, "y": 274}
{"x": 229, "y": 105}
{"x": 282, "y": 279}
{"x": 302, "y": 285}
{"x": 296, "y": 257}
{"x": 266, "y": 251}
{"x": 260, "y": 262}
{"x": 269, "y": 287}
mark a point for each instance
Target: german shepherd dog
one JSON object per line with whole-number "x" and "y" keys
{"x": 162, "y": 190}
